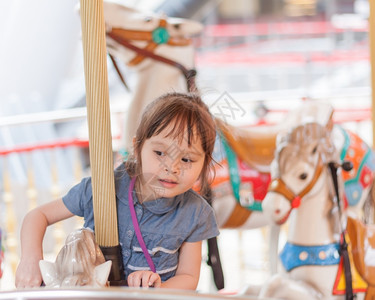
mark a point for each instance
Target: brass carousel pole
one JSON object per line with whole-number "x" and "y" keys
{"x": 100, "y": 137}
{"x": 372, "y": 62}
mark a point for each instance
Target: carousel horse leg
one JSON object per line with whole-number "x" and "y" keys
{"x": 274, "y": 247}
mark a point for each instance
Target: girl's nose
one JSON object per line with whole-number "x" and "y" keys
{"x": 173, "y": 167}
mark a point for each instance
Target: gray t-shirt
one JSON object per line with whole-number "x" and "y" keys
{"x": 165, "y": 223}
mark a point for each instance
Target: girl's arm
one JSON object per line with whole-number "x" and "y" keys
{"x": 32, "y": 233}
{"x": 188, "y": 269}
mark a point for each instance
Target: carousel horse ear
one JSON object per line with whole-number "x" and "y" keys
{"x": 101, "y": 273}
{"x": 329, "y": 125}
{"x": 49, "y": 272}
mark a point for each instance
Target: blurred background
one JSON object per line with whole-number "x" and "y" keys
{"x": 267, "y": 55}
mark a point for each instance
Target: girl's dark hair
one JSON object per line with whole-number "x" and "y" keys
{"x": 188, "y": 113}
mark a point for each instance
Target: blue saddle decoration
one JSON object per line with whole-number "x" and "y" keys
{"x": 363, "y": 159}
{"x": 293, "y": 256}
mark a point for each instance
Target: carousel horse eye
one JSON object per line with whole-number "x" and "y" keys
{"x": 314, "y": 150}
{"x": 303, "y": 176}
{"x": 177, "y": 26}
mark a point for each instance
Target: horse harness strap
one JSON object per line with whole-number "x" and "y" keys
{"x": 343, "y": 243}
{"x": 294, "y": 256}
{"x": 138, "y": 35}
{"x": 119, "y": 72}
{"x": 278, "y": 186}
{"x": 154, "y": 38}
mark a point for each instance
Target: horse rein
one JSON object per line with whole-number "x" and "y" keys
{"x": 278, "y": 186}
{"x": 153, "y": 38}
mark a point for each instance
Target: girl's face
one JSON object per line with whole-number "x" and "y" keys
{"x": 169, "y": 168}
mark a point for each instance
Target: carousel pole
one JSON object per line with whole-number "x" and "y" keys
{"x": 372, "y": 62}
{"x": 100, "y": 137}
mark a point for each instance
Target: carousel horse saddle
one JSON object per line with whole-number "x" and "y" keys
{"x": 362, "y": 238}
{"x": 254, "y": 146}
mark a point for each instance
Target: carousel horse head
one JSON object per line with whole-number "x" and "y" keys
{"x": 80, "y": 262}
{"x": 301, "y": 158}
{"x": 305, "y": 153}
{"x": 133, "y": 35}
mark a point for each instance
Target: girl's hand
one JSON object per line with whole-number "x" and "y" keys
{"x": 28, "y": 274}
{"x": 144, "y": 279}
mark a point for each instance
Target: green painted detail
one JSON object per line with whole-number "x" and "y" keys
{"x": 343, "y": 155}
{"x": 160, "y": 35}
{"x": 256, "y": 206}
{"x": 234, "y": 176}
{"x": 124, "y": 154}
{"x": 233, "y": 169}
{"x": 346, "y": 144}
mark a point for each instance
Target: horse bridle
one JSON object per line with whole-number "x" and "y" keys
{"x": 153, "y": 38}
{"x": 278, "y": 186}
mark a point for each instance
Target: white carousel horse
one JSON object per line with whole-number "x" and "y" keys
{"x": 301, "y": 190}
{"x": 79, "y": 263}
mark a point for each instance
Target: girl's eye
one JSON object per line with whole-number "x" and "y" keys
{"x": 187, "y": 160}
{"x": 159, "y": 153}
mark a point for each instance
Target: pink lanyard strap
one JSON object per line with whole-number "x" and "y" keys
{"x": 136, "y": 227}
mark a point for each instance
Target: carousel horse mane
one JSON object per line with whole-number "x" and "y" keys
{"x": 302, "y": 141}
{"x": 80, "y": 262}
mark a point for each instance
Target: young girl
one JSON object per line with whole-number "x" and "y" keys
{"x": 172, "y": 150}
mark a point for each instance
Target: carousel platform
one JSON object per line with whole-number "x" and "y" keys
{"x": 114, "y": 293}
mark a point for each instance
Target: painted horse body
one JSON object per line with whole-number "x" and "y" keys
{"x": 301, "y": 189}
